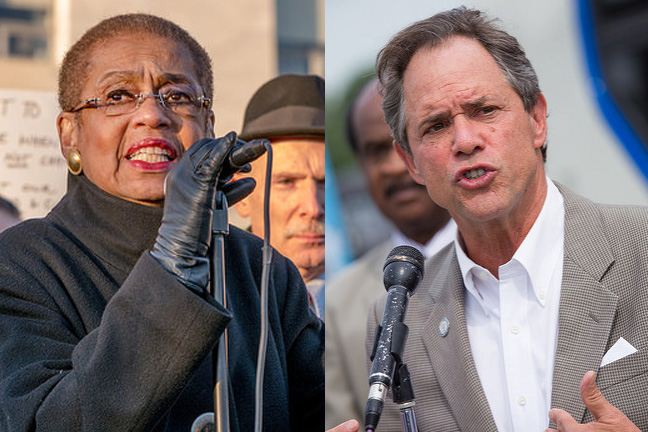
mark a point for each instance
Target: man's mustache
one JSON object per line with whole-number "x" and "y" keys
{"x": 401, "y": 185}
{"x": 314, "y": 226}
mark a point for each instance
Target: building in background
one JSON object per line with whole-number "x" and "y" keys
{"x": 24, "y": 29}
{"x": 250, "y": 41}
{"x": 300, "y": 36}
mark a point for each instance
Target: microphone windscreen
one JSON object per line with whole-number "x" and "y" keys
{"x": 406, "y": 253}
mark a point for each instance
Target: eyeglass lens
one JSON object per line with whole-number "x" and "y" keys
{"x": 179, "y": 99}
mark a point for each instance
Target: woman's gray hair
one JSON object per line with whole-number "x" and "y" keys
{"x": 394, "y": 58}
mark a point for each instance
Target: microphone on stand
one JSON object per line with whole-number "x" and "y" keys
{"x": 402, "y": 274}
{"x": 239, "y": 159}
{"x": 242, "y": 154}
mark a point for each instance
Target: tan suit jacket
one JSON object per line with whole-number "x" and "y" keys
{"x": 604, "y": 296}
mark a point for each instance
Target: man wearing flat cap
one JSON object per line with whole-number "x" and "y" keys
{"x": 289, "y": 111}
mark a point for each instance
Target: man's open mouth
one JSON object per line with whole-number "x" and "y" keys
{"x": 474, "y": 173}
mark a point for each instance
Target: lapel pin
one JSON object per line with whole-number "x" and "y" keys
{"x": 444, "y": 326}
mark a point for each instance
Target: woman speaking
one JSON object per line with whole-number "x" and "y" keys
{"x": 104, "y": 320}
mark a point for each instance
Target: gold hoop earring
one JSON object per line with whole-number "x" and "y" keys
{"x": 74, "y": 162}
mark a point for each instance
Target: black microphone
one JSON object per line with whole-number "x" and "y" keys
{"x": 403, "y": 272}
{"x": 238, "y": 160}
{"x": 242, "y": 154}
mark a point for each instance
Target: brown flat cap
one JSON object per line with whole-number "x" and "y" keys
{"x": 286, "y": 106}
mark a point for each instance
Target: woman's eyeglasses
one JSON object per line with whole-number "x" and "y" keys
{"x": 179, "y": 99}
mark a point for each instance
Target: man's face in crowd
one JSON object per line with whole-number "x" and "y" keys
{"x": 130, "y": 155}
{"x": 472, "y": 142}
{"x": 296, "y": 202}
{"x": 396, "y": 194}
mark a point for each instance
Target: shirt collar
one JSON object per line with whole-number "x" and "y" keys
{"x": 543, "y": 244}
{"x": 537, "y": 254}
{"x": 439, "y": 240}
{"x": 468, "y": 270}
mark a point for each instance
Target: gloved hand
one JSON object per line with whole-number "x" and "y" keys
{"x": 235, "y": 191}
{"x": 183, "y": 238}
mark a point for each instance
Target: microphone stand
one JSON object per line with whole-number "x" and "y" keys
{"x": 219, "y": 419}
{"x": 402, "y": 389}
{"x": 220, "y": 228}
{"x": 403, "y": 395}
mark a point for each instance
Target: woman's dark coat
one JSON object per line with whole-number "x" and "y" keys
{"x": 96, "y": 336}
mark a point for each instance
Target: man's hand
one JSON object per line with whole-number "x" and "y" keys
{"x": 347, "y": 426}
{"x": 607, "y": 417}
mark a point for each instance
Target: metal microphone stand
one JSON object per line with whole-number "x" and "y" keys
{"x": 220, "y": 228}
{"x": 401, "y": 384}
{"x": 219, "y": 419}
{"x": 403, "y": 395}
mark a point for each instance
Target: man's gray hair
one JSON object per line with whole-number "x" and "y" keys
{"x": 394, "y": 58}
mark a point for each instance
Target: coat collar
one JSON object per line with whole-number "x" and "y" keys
{"x": 115, "y": 230}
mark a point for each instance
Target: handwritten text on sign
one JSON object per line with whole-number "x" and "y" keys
{"x": 32, "y": 170}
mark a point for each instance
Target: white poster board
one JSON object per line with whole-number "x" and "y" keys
{"x": 32, "y": 169}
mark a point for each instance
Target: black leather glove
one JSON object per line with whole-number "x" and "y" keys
{"x": 183, "y": 238}
{"x": 237, "y": 190}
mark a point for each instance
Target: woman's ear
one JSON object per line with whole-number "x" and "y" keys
{"x": 66, "y": 126}
{"x": 209, "y": 126}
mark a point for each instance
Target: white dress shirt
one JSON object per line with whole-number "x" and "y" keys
{"x": 513, "y": 322}
{"x": 439, "y": 240}
{"x": 316, "y": 291}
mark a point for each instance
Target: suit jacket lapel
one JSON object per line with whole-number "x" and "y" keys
{"x": 450, "y": 356}
{"x": 587, "y": 308}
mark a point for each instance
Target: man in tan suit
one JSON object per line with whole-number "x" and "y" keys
{"x": 536, "y": 316}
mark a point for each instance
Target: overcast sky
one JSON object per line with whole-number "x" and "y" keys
{"x": 357, "y": 29}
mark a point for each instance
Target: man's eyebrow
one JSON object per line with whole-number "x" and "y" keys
{"x": 477, "y": 103}
{"x": 435, "y": 118}
{"x": 376, "y": 142}
{"x": 287, "y": 173}
{"x": 444, "y": 115}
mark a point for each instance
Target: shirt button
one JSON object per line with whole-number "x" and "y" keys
{"x": 483, "y": 275}
{"x": 515, "y": 329}
{"x": 542, "y": 295}
{"x": 521, "y": 401}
